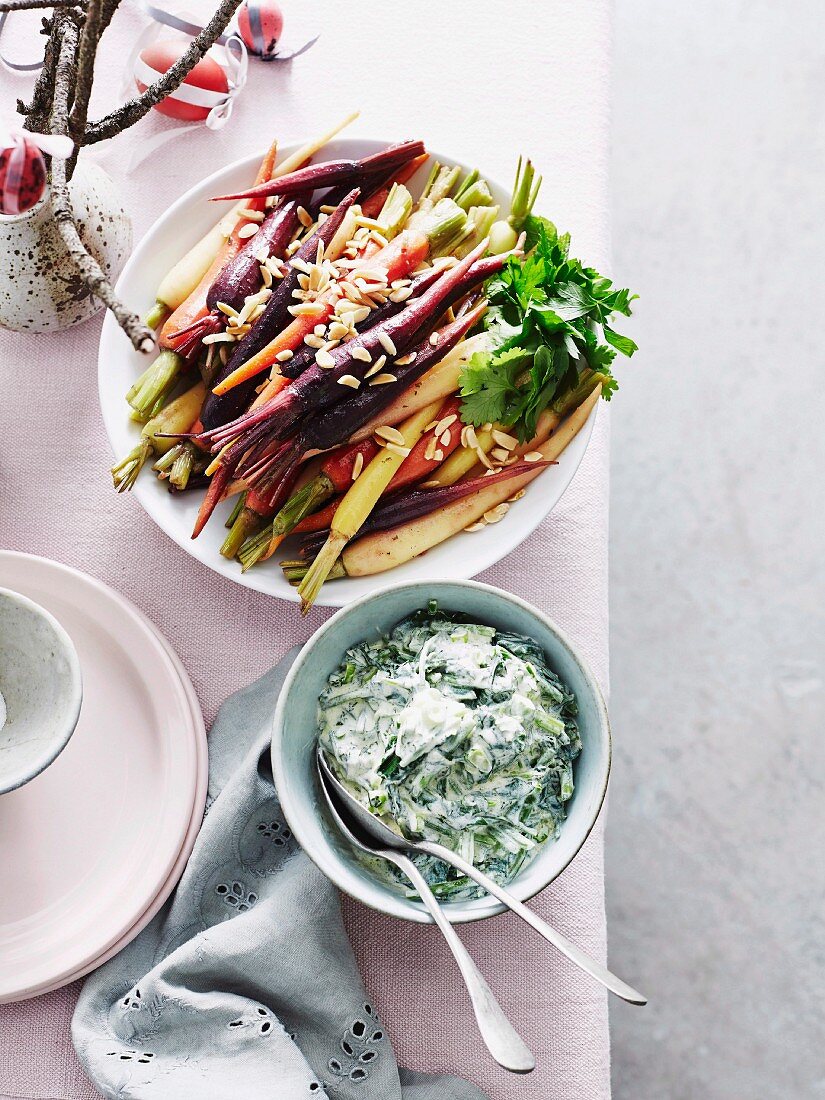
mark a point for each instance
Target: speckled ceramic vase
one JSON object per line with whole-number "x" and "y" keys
{"x": 40, "y": 290}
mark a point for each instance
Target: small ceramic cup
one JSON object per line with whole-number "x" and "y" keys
{"x": 40, "y": 689}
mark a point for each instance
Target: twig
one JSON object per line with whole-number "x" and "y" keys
{"x": 87, "y": 266}
{"x": 172, "y": 79}
{"x": 86, "y": 53}
{"x": 26, "y": 5}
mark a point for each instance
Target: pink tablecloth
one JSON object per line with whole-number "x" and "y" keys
{"x": 486, "y": 80}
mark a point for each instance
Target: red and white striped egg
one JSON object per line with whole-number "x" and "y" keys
{"x": 260, "y": 23}
{"x": 22, "y": 176}
{"x": 204, "y": 88}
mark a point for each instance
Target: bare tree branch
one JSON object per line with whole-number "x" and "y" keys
{"x": 86, "y": 54}
{"x": 87, "y": 265}
{"x": 133, "y": 111}
{"x": 28, "y": 5}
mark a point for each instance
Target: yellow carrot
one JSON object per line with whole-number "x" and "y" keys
{"x": 361, "y": 498}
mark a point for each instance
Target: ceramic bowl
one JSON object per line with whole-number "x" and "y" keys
{"x": 41, "y": 689}
{"x": 294, "y": 734}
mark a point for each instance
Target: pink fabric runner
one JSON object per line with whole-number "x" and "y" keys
{"x": 487, "y": 85}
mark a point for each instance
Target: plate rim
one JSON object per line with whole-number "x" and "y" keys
{"x": 11, "y": 993}
{"x": 508, "y": 537}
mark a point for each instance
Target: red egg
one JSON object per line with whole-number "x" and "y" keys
{"x": 22, "y": 176}
{"x": 204, "y": 88}
{"x": 260, "y": 23}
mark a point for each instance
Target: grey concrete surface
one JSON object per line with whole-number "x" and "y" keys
{"x": 716, "y": 842}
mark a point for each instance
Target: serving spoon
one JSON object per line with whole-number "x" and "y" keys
{"x": 501, "y": 1038}
{"x": 387, "y": 838}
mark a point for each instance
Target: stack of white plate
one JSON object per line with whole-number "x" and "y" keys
{"x": 92, "y": 847}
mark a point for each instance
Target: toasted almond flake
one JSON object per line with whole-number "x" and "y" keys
{"x": 500, "y": 454}
{"x": 434, "y": 484}
{"x": 219, "y": 338}
{"x": 471, "y": 439}
{"x": 396, "y": 284}
{"x": 517, "y": 496}
{"x": 324, "y": 359}
{"x": 533, "y": 456}
{"x": 386, "y": 343}
{"x": 262, "y": 255}
{"x": 383, "y": 379}
{"x": 252, "y": 215}
{"x": 362, "y": 354}
{"x": 357, "y": 466}
{"x": 401, "y": 295}
{"x": 483, "y": 459}
{"x": 478, "y": 526}
{"x": 337, "y": 330}
{"x": 439, "y": 455}
{"x": 446, "y": 438}
{"x": 360, "y": 314}
{"x": 392, "y": 435}
{"x": 488, "y": 472}
{"x": 486, "y": 427}
{"x": 445, "y": 423}
{"x": 402, "y": 452}
{"x": 504, "y": 440}
{"x": 320, "y": 330}
{"x": 313, "y": 341}
{"x": 349, "y": 380}
{"x": 374, "y": 369}
{"x": 429, "y": 453}
{"x": 327, "y": 209}
{"x": 228, "y": 310}
{"x": 284, "y": 355}
{"x": 248, "y": 230}
{"x": 497, "y": 513}
{"x": 266, "y": 275}
{"x": 237, "y": 330}
{"x": 293, "y": 247}
{"x": 434, "y": 338}
{"x": 303, "y": 282}
{"x": 405, "y": 359}
{"x": 379, "y": 363}
{"x": 301, "y": 309}
{"x": 443, "y": 262}
{"x": 304, "y": 217}
{"x": 301, "y": 265}
{"x": 300, "y": 295}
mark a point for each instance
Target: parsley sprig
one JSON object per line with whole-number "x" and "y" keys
{"x": 549, "y": 323}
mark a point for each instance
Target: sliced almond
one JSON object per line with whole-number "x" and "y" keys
{"x": 392, "y": 435}
{"x": 533, "y": 456}
{"x": 349, "y": 380}
{"x": 383, "y": 379}
{"x": 248, "y": 230}
{"x": 362, "y": 354}
{"x": 358, "y": 465}
{"x": 509, "y": 442}
{"x": 325, "y": 360}
{"x": 284, "y": 356}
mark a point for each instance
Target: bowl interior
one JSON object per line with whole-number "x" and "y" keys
{"x": 295, "y": 732}
{"x": 40, "y": 686}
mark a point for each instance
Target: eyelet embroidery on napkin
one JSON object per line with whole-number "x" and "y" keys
{"x": 265, "y": 842}
{"x": 358, "y": 1045}
{"x": 236, "y": 896}
{"x": 261, "y": 1019}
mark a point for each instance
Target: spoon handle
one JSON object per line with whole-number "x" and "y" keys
{"x": 502, "y": 1040}
{"x": 560, "y": 942}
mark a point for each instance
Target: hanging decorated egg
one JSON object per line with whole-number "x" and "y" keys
{"x": 22, "y": 175}
{"x": 260, "y": 23}
{"x": 205, "y": 88}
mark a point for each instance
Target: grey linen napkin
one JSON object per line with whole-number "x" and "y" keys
{"x": 244, "y": 985}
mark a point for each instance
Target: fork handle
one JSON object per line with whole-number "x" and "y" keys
{"x": 560, "y": 942}
{"x": 502, "y": 1040}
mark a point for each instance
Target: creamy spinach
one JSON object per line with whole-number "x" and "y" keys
{"x": 461, "y": 734}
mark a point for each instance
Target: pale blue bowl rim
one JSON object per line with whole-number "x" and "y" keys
{"x": 328, "y": 862}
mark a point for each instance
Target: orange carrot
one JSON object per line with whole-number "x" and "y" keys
{"x": 289, "y": 339}
{"x": 429, "y": 452}
{"x": 372, "y": 206}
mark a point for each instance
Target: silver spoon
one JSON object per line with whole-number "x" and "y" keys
{"x": 498, "y": 1033}
{"x": 388, "y": 838}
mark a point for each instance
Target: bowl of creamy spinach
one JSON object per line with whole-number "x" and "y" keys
{"x": 463, "y": 715}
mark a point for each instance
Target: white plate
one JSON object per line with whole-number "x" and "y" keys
{"x": 459, "y": 558}
{"x": 88, "y": 847}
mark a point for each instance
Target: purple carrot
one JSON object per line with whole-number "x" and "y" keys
{"x": 305, "y": 357}
{"x": 405, "y": 506}
{"x": 333, "y": 426}
{"x": 318, "y": 387}
{"x": 218, "y": 409}
{"x": 332, "y": 173}
{"x": 242, "y": 275}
